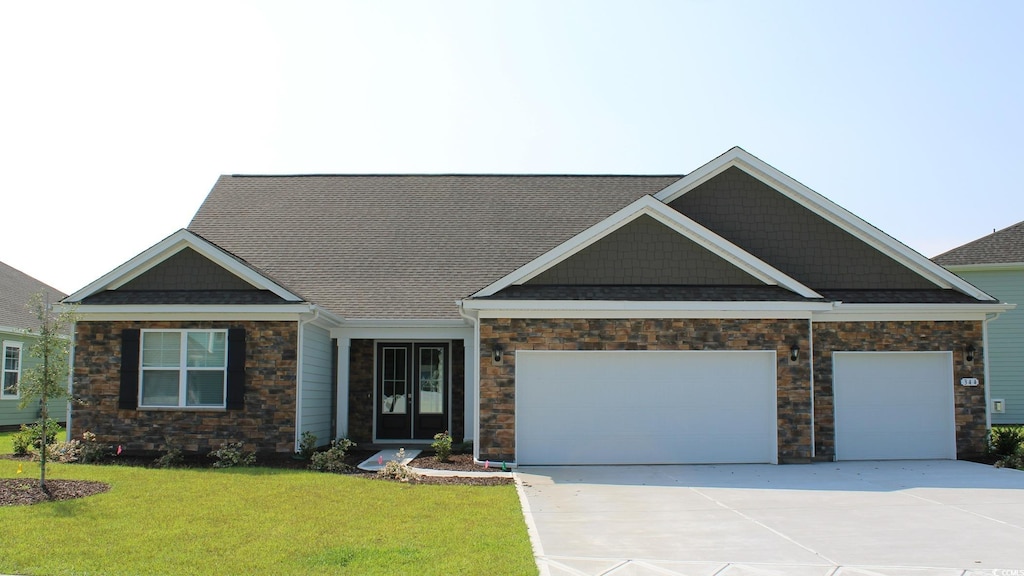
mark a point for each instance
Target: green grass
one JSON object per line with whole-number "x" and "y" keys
{"x": 262, "y": 521}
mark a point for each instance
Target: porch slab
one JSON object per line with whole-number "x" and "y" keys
{"x": 380, "y": 459}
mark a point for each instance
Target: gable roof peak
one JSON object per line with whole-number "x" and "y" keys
{"x": 172, "y": 245}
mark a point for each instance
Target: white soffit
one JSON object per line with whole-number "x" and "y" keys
{"x": 825, "y": 208}
{"x": 649, "y": 206}
{"x": 170, "y": 246}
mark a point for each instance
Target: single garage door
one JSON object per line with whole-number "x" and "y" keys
{"x": 645, "y": 407}
{"x": 894, "y": 405}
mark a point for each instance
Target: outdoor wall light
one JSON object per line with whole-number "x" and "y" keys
{"x": 498, "y": 350}
{"x": 969, "y": 350}
{"x": 794, "y": 353}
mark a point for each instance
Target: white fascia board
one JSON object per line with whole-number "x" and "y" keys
{"x": 649, "y": 206}
{"x": 909, "y": 312}
{"x": 402, "y": 323}
{"x": 13, "y": 330}
{"x": 635, "y": 309}
{"x": 458, "y": 330}
{"x": 824, "y": 207}
{"x": 170, "y": 246}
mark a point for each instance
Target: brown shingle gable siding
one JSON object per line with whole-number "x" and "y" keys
{"x": 790, "y": 237}
{"x": 404, "y": 246}
{"x": 187, "y": 270}
{"x": 645, "y": 252}
{"x": 1003, "y": 247}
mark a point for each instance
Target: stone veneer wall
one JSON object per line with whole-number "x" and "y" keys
{"x": 903, "y": 336}
{"x": 497, "y": 382}
{"x": 360, "y": 392}
{"x": 266, "y": 424}
{"x": 361, "y": 383}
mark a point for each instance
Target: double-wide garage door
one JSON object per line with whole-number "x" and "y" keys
{"x": 645, "y": 407}
{"x": 894, "y": 405}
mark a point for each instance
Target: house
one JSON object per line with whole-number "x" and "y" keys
{"x": 16, "y": 319}
{"x": 728, "y": 315}
{"x": 995, "y": 263}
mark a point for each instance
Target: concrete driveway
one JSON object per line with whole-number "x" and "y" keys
{"x": 883, "y": 518}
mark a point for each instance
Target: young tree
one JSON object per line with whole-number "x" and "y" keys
{"x": 48, "y": 380}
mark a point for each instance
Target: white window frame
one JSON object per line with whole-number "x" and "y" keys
{"x": 4, "y": 371}
{"x": 183, "y": 369}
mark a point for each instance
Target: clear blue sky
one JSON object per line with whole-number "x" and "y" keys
{"x": 117, "y": 117}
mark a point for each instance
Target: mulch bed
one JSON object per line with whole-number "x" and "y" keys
{"x": 24, "y": 491}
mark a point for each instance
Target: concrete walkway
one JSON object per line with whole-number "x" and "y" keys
{"x": 826, "y": 519}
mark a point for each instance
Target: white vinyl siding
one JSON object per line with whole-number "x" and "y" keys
{"x": 1005, "y": 341}
{"x": 316, "y": 383}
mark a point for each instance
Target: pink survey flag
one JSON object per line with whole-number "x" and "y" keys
{"x": 380, "y": 459}
{"x": 119, "y": 450}
{"x": 487, "y": 464}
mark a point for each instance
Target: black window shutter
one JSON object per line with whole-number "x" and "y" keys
{"x": 236, "y": 369}
{"x": 129, "y": 393}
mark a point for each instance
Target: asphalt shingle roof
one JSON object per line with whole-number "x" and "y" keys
{"x": 16, "y": 288}
{"x": 404, "y": 246}
{"x": 1003, "y": 247}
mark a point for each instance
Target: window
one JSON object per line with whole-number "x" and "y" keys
{"x": 183, "y": 368}
{"x": 12, "y": 369}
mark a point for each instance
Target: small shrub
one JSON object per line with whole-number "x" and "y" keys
{"x": 332, "y": 459}
{"x": 173, "y": 457}
{"x": 307, "y": 445}
{"x": 64, "y": 452}
{"x": 1011, "y": 461}
{"x": 93, "y": 451}
{"x": 27, "y": 440}
{"x": 1005, "y": 440}
{"x": 232, "y": 454}
{"x": 442, "y": 446}
{"x": 395, "y": 470}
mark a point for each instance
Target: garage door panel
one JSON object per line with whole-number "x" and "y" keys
{"x": 894, "y": 405}
{"x": 645, "y": 407}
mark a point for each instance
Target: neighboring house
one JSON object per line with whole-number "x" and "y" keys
{"x": 729, "y": 315}
{"x": 995, "y": 263}
{"x": 16, "y": 319}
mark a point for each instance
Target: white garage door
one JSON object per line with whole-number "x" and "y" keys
{"x": 894, "y": 405}
{"x": 642, "y": 407}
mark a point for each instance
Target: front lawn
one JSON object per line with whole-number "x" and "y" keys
{"x": 262, "y": 521}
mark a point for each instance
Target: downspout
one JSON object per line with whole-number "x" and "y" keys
{"x": 474, "y": 351}
{"x": 298, "y": 372}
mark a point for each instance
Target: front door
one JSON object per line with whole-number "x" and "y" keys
{"x": 412, "y": 390}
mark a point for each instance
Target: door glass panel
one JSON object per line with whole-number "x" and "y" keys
{"x": 432, "y": 378}
{"x": 393, "y": 384}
